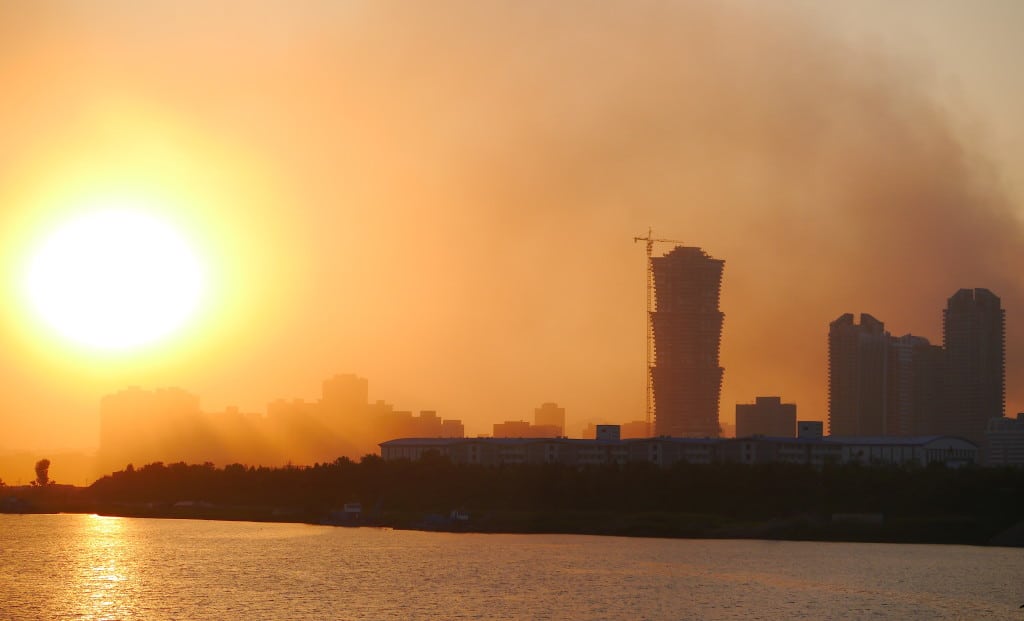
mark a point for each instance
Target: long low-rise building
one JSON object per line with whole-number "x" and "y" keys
{"x": 500, "y": 451}
{"x": 666, "y": 451}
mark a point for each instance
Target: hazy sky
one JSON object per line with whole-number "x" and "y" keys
{"x": 442, "y": 196}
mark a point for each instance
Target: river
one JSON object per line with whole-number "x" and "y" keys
{"x": 91, "y": 568}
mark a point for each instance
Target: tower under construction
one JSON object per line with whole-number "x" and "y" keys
{"x": 685, "y": 333}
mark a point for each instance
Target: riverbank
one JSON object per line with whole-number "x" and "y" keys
{"x": 868, "y": 528}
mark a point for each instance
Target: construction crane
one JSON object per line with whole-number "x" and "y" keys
{"x": 650, "y": 241}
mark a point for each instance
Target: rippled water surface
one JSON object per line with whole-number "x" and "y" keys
{"x": 89, "y": 567}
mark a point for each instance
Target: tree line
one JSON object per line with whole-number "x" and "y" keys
{"x": 435, "y": 484}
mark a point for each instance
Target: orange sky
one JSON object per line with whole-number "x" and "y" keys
{"x": 442, "y": 199}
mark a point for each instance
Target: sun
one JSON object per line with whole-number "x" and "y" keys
{"x": 115, "y": 279}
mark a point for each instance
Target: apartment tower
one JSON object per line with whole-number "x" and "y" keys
{"x": 858, "y": 356}
{"x": 973, "y": 335}
{"x": 686, "y": 325}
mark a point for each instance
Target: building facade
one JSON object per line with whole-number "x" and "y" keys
{"x": 858, "y": 357}
{"x": 767, "y": 416}
{"x": 973, "y": 335}
{"x": 550, "y": 415}
{"x": 667, "y": 451}
{"x": 686, "y": 324}
{"x": 810, "y": 429}
{"x": 523, "y": 429}
{"x": 915, "y": 386}
{"x": 1004, "y": 441}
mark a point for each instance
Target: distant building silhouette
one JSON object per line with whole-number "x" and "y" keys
{"x": 345, "y": 395}
{"x": 915, "y": 384}
{"x": 388, "y": 423}
{"x": 879, "y": 384}
{"x": 728, "y": 429}
{"x": 139, "y": 426}
{"x": 550, "y": 415}
{"x": 142, "y": 426}
{"x": 292, "y": 409}
{"x": 857, "y": 374}
{"x": 810, "y": 429}
{"x": 630, "y": 430}
{"x": 608, "y": 432}
{"x": 973, "y": 335}
{"x": 635, "y": 429}
{"x": 904, "y": 386}
{"x": 767, "y": 416}
{"x": 1005, "y": 441}
{"x": 523, "y": 429}
{"x": 686, "y": 322}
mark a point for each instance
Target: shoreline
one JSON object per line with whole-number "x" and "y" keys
{"x": 861, "y": 529}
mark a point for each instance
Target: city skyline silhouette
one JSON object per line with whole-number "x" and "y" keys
{"x": 483, "y": 309}
{"x": 879, "y": 386}
{"x": 457, "y": 241}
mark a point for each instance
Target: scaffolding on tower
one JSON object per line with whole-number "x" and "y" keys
{"x": 652, "y": 353}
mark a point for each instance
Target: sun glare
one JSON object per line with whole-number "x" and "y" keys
{"x": 115, "y": 279}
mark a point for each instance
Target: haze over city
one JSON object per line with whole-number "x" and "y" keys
{"x": 442, "y": 198}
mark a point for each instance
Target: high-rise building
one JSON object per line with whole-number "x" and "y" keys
{"x": 857, "y": 376}
{"x": 881, "y": 385}
{"x": 767, "y": 416}
{"x": 973, "y": 335}
{"x": 915, "y": 386}
{"x": 686, "y": 324}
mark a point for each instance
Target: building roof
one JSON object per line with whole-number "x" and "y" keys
{"x": 678, "y": 440}
{"x": 422, "y": 441}
{"x": 893, "y": 440}
{"x": 428, "y": 442}
{"x": 828, "y": 440}
{"x": 490, "y": 440}
{"x": 789, "y": 439}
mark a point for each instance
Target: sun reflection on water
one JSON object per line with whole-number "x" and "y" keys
{"x": 75, "y": 567}
{"x": 99, "y": 589}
